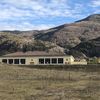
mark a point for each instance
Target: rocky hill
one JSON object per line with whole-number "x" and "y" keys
{"x": 14, "y": 42}
{"x": 59, "y": 39}
{"x": 94, "y": 18}
{"x": 23, "y": 33}
{"x": 90, "y": 48}
{"x": 70, "y": 35}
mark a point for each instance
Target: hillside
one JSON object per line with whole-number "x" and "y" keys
{"x": 15, "y": 42}
{"x": 58, "y": 39}
{"x": 23, "y": 33}
{"x": 90, "y": 48}
{"x": 94, "y": 18}
{"x": 67, "y": 35}
{"x": 70, "y": 35}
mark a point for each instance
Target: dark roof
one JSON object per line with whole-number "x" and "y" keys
{"x": 30, "y": 53}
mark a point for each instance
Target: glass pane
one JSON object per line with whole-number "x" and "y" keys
{"x": 4, "y": 60}
{"x": 23, "y": 61}
{"x": 10, "y": 61}
{"x": 16, "y": 61}
{"x": 41, "y": 61}
{"x": 54, "y": 60}
{"x": 60, "y": 60}
{"x": 47, "y": 61}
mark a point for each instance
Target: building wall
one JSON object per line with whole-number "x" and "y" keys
{"x": 68, "y": 60}
{"x": 35, "y": 60}
{"x": 31, "y": 60}
{"x": 11, "y": 58}
{"x": 79, "y": 63}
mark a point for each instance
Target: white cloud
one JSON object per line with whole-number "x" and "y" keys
{"x": 13, "y": 12}
{"x": 40, "y": 8}
{"x": 25, "y": 26}
{"x": 95, "y": 3}
{"x": 18, "y": 10}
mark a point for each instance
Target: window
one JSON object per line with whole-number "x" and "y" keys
{"x": 16, "y": 61}
{"x": 4, "y": 61}
{"x": 54, "y": 60}
{"x": 41, "y": 61}
{"x": 22, "y": 61}
{"x": 47, "y": 60}
{"x": 10, "y": 61}
{"x": 60, "y": 61}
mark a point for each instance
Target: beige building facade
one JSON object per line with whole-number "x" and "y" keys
{"x": 38, "y": 58}
{"x": 80, "y": 62}
{"x": 43, "y": 60}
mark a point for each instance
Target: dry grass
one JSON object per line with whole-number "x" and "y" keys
{"x": 17, "y": 83}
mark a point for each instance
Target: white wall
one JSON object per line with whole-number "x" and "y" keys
{"x": 34, "y": 60}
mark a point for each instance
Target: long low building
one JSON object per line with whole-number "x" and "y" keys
{"x": 37, "y": 58}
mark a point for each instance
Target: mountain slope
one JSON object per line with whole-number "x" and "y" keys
{"x": 67, "y": 35}
{"x": 63, "y": 37}
{"x": 70, "y": 35}
{"x": 90, "y": 48}
{"x": 94, "y": 18}
{"x": 12, "y": 43}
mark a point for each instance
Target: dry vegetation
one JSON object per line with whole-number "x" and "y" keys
{"x": 22, "y": 83}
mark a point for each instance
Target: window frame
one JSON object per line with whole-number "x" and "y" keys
{"x": 16, "y": 61}
{"x": 47, "y": 60}
{"x": 10, "y": 61}
{"x": 22, "y": 61}
{"x": 59, "y": 61}
{"x": 41, "y": 62}
{"x": 4, "y": 61}
{"x": 54, "y": 62}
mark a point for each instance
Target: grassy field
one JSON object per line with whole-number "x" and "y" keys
{"x": 22, "y": 83}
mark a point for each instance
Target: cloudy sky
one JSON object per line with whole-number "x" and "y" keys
{"x": 43, "y": 14}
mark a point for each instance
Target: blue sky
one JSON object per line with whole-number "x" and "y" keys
{"x": 44, "y": 14}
